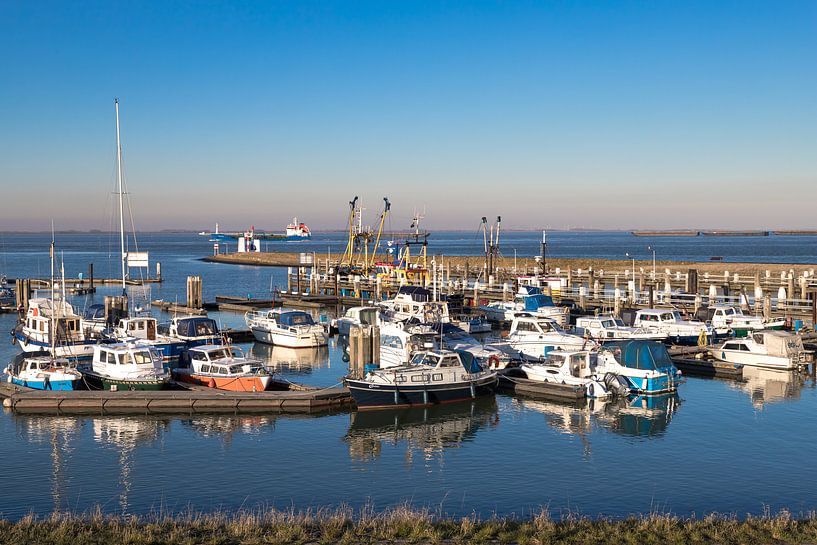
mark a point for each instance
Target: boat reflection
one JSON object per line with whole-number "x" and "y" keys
{"x": 125, "y": 434}
{"x": 227, "y": 426}
{"x": 636, "y": 416}
{"x": 770, "y": 385}
{"x": 293, "y": 360}
{"x": 429, "y": 430}
{"x": 59, "y": 433}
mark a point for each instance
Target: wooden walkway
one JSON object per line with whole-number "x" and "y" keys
{"x": 193, "y": 400}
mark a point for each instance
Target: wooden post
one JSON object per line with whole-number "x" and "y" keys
{"x": 22, "y": 290}
{"x": 158, "y": 271}
{"x": 767, "y": 307}
{"x": 91, "y": 275}
{"x": 194, "y": 291}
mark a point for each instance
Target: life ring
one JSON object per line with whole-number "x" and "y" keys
{"x": 493, "y": 361}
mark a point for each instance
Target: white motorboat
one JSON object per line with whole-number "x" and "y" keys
{"x": 575, "y": 368}
{"x": 671, "y": 324}
{"x": 43, "y": 372}
{"x": 534, "y": 337}
{"x": 431, "y": 378}
{"x": 726, "y": 319}
{"x": 283, "y": 327}
{"x": 224, "y": 368}
{"x": 415, "y": 304}
{"x": 605, "y": 327}
{"x": 126, "y": 366}
{"x": 51, "y": 324}
{"x": 766, "y": 349}
{"x": 399, "y": 342}
{"x": 529, "y": 300}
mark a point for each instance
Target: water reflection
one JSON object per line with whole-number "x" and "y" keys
{"x": 427, "y": 430}
{"x": 59, "y": 433}
{"x": 125, "y": 435}
{"x": 228, "y": 426}
{"x": 295, "y": 360}
{"x": 770, "y": 385}
{"x": 639, "y": 416}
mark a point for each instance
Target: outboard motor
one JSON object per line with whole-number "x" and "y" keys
{"x": 616, "y": 384}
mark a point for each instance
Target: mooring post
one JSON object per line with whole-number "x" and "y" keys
{"x": 91, "y": 275}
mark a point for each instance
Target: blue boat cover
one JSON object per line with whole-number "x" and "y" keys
{"x": 647, "y": 355}
{"x": 535, "y": 302}
{"x": 197, "y": 326}
{"x": 296, "y": 318}
{"x": 469, "y": 361}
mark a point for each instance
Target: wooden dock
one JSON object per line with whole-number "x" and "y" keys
{"x": 533, "y": 388}
{"x": 186, "y": 400}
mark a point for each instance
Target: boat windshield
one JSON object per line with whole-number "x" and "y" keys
{"x": 424, "y": 358}
{"x": 729, "y": 311}
{"x": 608, "y": 323}
{"x": 140, "y": 357}
{"x": 554, "y": 360}
{"x": 236, "y": 369}
{"x": 547, "y": 325}
{"x": 670, "y": 316}
{"x": 620, "y": 322}
{"x": 221, "y": 354}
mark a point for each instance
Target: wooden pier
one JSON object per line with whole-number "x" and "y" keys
{"x": 185, "y": 400}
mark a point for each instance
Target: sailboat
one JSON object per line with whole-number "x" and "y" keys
{"x": 136, "y": 363}
{"x": 43, "y": 370}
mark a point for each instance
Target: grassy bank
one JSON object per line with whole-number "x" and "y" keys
{"x": 402, "y": 526}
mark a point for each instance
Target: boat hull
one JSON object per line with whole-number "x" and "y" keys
{"x": 289, "y": 340}
{"x": 74, "y": 351}
{"x": 102, "y": 382}
{"x": 232, "y": 384}
{"x": 370, "y": 396}
{"x": 50, "y": 385}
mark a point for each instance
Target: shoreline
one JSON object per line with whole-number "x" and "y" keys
{"x": 404, "y": 525}
{"x": 291, "y": 259}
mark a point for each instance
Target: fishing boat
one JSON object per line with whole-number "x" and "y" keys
{"x": 42, "y": 371}
{"x": 605, "y": 328}
{"x": 534, "y": 337}
{"x": 670, "y": 323}
{"x": 576, "y": 368}
{"x": 431, "y": 378}
{"x": 284, "y": 327}
{"x": 53, "y": 320}
{"x": 766, "y": 349}
{"x": 224, "y": 368}
{"x": 126, "y": 366}
{"x": 297, "y": 231}
{"x": 646, "y": 365}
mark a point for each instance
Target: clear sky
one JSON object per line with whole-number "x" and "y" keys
{"x": 551, "y": 113}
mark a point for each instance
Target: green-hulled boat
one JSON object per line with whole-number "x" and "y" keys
{"x": 131, "y": 366}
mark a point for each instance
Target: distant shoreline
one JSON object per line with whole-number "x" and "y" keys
{"x": 680, "y": 232}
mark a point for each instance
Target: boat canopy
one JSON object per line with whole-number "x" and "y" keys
{"x": 646, "y": 355}
{"x": 94, "y": 312}
{"x": 779, "y": 343}
{"x": 421, "y": 295}
{"x": 197, "y": 326}
{"x": 469, "y": 362}
{"x": 295, "y": 318}
{"x": 535, "y": 302}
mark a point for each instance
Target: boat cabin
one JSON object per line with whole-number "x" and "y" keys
{"x": 193, "y": 328}
{"x": 221, "y": 360}
{"x": 649, "y": 316}
{"x": 530, "y": 325}
{"x": 644, "y": 355}
{"x": 38, "y": 321}
{"x": 531, "y": 298}
{"x": 578, "y": 364}
{"x": 452, "y": 359}
{"x": 142, "y": 327}
{"x": 414, "y": 303}
{"x": 121, "y": 359}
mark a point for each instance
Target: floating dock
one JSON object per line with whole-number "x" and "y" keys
{"x": 709, "y": 368}
{"x": 195, "y": 400}
{"x": 533, "y": 388}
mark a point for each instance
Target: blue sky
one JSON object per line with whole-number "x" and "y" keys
{"x": 552, "y": 114}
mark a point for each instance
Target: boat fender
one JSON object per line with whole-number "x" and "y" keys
{"x": 591, "y": 390}
{"x": 211, "y": 383}
{"x": 493, "y": 361}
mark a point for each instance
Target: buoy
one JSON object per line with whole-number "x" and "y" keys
{"x": 7, "y": 403}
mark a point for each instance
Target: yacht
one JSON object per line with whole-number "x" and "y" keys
{"x": 431, "y": 378}
{"x": 126, "y": 366}
{"x": 283, "y": 327}
{"x": 224, "y": 368}
{"x": 670, "y": 323}
{"x": 766, "y": 349}
{"x": 534, "y": 337}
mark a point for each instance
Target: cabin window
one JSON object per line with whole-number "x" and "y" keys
{"x": 546, "y": 326}
{"x": 449, "y": 361}
{"x": 437, "y": 376}
{"x": 729, "y": 311}
{"x": 608, "y": 323}
{"x": 141, "y": 326}
{"x": 391, "y": 341}
{"x": 132, "y": 326}
{"x": 125, "y": 359}
{"x": 142, "y": 358}
{"x": 420, "y": 378}
{"x": 525, "y": 326}
{"x": 236, "y": 369}
{"x": 205, "y": 368}
{"x": 222, "y": 370}
{"x": 744, "y": 348}
{"x": 198, "y": 356}
{"x": 667, "y": 317}
{"x": 400, "y": 378}
{"x": 554, "y": 360}
{"x": 731, "y": 346}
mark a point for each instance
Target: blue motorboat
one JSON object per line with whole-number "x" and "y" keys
{"x": 646, "y": 365}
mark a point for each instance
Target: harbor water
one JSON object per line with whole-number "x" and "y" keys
{"x": 718, "y": 446}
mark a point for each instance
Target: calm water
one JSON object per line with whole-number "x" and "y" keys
{"x": 718, "y": 446}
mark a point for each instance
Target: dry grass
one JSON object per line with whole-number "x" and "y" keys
{"x": 403, "y": 526}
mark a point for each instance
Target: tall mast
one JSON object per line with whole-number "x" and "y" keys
{"x": 121, "y": 200}
{"x": 53, "y": 335}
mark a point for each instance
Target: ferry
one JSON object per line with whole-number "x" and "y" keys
{"x": 297, "y": 231}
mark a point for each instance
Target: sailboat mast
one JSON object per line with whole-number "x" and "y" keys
{"x": 121, "y": 200}
{"x": 53, "y": 334}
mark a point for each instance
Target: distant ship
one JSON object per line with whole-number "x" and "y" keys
{"x": 297, "y": 231}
